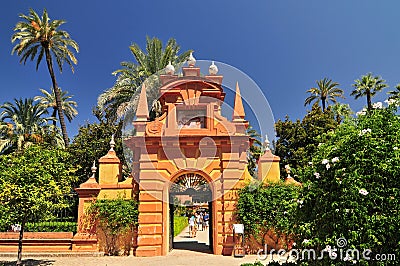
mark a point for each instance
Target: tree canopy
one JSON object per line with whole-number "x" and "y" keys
{"x": 33, "y": 183}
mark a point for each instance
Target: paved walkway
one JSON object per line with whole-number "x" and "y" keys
{"x": 187, "y": 251}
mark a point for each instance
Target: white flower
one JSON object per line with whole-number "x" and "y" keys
{"x": 285, "y": 212}
{"x": 300, "y": 202}
{"x": 325, "y": 161}
{"x": 327, "y": 166}
{"x": 362, "y": 112}
{"x": 317, "y": 175}
{"x": 309, "y": 163}
{"x": 347, "y": 210}
{"x": 364, "y": 131}
{"x": 305, "y": 241}
{"x": 395, "y": 148}
{"x": 337, "y": 210}
{"x": 294, "y": 244}
{"x": 363, "y": 192}
{"x": 390, "y": 101}
{"x": 334, "y": 160}
{"x": 319, "y": 144}
{"x": 377, "y": 105}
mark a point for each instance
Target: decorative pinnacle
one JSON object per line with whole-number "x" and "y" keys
{"x": 112, "y": 143}
{"x": 266, "y": 143}
{"x": 94, "y": 168}
{"x": 169, "y": 69}
{"x": 191, "y": 60}
{"x": 213, "y": 69}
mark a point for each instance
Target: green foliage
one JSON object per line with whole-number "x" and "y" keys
{"x": 91, "y": 143}
{"x": 118, "y": 99}
{"x": 327, "y": 91}
{"x": 268, "y": 207}
{"x": 23, "y": 124}
{"x": 48, "y": 100}
{"x": 51, "y": 226}
{"x": 298, "y": 140}
{"x": 257, "y": 263}
{"x": 115, "y": 217}
{"x": 39, "y": 36}
{"x": 180, "y": 223}
{"x": 368, "y": 85}
{"x": 254, "y": 152}
{"x": 352, "y": 187}
{"x": 33, "y": 183}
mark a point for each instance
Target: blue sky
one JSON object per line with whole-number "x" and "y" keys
{"x": 284, "y": 46}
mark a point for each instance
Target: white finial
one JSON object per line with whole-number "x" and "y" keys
{"x": 169, "y": 69}
{"x": 266, "y": 143}
{"x": 191, "y": 60}
{"x": 94, "y": 168}
{"x": 213, "y": 69}
{"x": 112, "y": 143}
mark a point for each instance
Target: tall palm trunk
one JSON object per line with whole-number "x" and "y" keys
{"x": 323, "y": 104}
{"x": 57, "y": 94}
{"x": 54, "y": 114}
{"x": 369, "y": 102}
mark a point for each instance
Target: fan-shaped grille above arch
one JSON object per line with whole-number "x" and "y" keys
{"x": 190, "y": 181}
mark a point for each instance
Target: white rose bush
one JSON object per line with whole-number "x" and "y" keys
{"x": 351, "y": 190}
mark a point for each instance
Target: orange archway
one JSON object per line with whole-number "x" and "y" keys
{"x": 192, "y": 189}
{"x": 191, "y": 137}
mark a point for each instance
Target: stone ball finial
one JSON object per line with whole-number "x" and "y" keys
{"x": 191, "y": 61}
{"x": 169, "y": 69}
{"x": 213, "y": 69}
{"x": 112, "y": 143}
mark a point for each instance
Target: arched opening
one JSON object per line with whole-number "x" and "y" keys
{"x": 190, "y": 202}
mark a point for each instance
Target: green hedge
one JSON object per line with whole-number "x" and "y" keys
{"x": 180, "y": 223}
{"x": 51, "y": 227}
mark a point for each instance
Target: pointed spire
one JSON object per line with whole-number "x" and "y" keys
{"x": 142, "y": 113}
{"x": 238, "y": 110}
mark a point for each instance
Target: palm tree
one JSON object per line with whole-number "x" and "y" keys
{"x": 39, "y": 36}
{"x": 22, "y": 123}
{"x": 117, "y": 100}
{"x": 395, "y": 95}
{"x": 255, "y": 150}
{"x": 368, "y": 86}
{"x": 341, "y": 111}
{"x": 48, "y": 100}
{"x": 327, "y": 91}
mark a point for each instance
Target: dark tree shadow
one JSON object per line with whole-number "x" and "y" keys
{"x": 28, "y": 262}
{"x": 192, "y": 246}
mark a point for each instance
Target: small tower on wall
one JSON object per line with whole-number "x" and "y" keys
{"x": 268, "y": 165}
